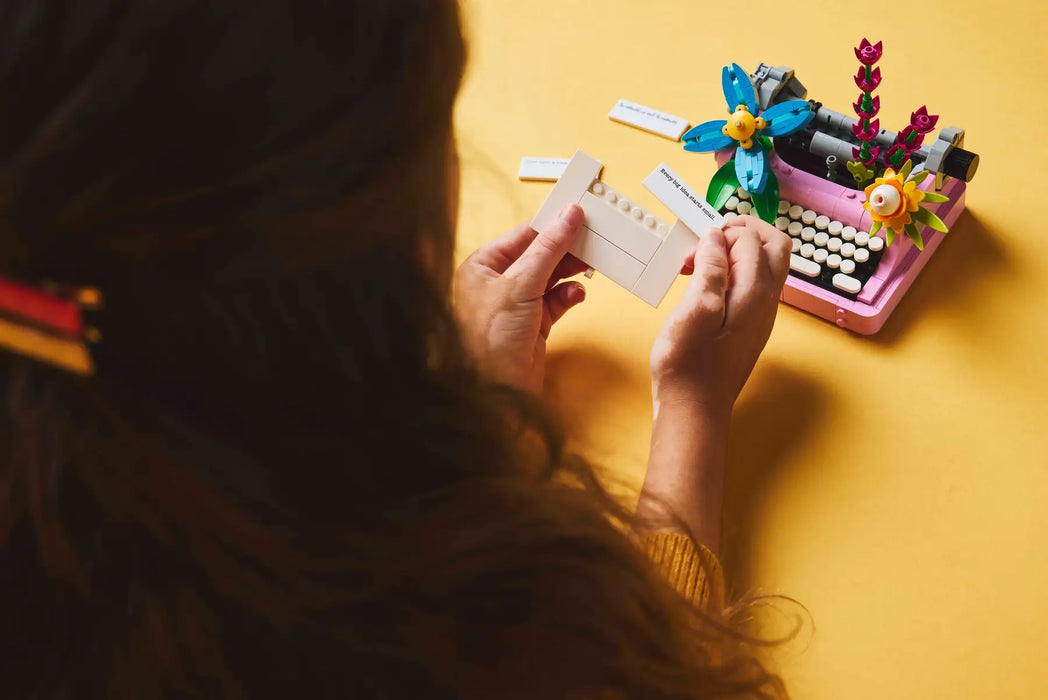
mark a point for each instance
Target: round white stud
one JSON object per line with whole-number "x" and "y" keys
{"x": 611, "y": 197}
{"x": 835, "y": 228}
{"x": 808, "y": 217}
{"x": 782, "y": 223}
{"x": 597, "y": 187}
{"x": 848, "y": 233}
{"x": 847, "y": 266}
{"x": 821, "y": 238}
{"x": 834, "y": 244}
{"x": 862, "y": 238}
{"x": 745, "y": 207}
{"x": 833, "y": 261}
{"x": 821, "y": 222}
{"x": 784, "y": 206}
{"x": 876, "y": 243}
{"x": 807, "y": 250}
{"x": 848, "y": 249}
{"x": 732, "y": 203}
{"x": 795, "y": 228}
{"x": 861, "y": 255}
{"x": 795, "y": 211}
{"x": 742, "y": 194}
{"x": 820, "y": 255}
{"x": 808, "y": 233}
{"x": 796, "y": 245}
{"x": 649, "y": 221}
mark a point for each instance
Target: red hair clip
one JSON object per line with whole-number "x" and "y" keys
{"x": 47, "y": 325}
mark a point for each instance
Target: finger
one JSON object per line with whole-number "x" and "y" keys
{"x": 776, "y": 244}
{"x": 568, "y": 267}
{"x": 502, "y": 252}
{"x": 688, "y": 267}
{"x": 707, "y": 291}
{"x": 535, "y": 266}
{"x": 561, "y": 298}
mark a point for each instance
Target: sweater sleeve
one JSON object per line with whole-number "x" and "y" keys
{"x": 688, "y": 566}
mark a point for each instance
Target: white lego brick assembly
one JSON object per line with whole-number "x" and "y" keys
{"x": 623, "y": 241}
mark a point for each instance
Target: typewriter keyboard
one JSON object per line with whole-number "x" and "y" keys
{"x": 826, "y": 253}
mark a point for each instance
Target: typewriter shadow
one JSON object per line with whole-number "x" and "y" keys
{"x": 970, "y": 252}
{"x": 768, "y": 427}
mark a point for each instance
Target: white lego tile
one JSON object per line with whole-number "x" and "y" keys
{"x": 648, "y": 119}
{"x": 609, "y": 260}
{"x": 618, "y": 222}
{"x": 542, "y": 169}
{"x": 665, "y": 265}
{"x": 573, "y": 183}
{"x": 682, "y": 200}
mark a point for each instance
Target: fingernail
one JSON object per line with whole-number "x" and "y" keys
{"x": 714, "y": 235}
{"x": 581, "y": 292}
{"x": 571, "y": 214}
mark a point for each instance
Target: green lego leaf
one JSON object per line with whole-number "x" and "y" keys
{"x": 907, "y": 168}
{"x": 766, "y": 203}
{"x": 876, "y": 227}
{"x": 926, "y": 217}
{"x": 722, "y": 185}
{"x": 935, "y": 197}
{"x": 914, "y": 235}
{"x": 920, "y": 177}
{"x": 889, "y": 235}
{"x": 766, "y": 142}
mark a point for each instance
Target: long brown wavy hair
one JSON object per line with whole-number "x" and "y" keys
{"x": 286, "y": 479}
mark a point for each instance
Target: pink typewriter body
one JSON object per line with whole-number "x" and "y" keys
{"x": 899, "y": 265}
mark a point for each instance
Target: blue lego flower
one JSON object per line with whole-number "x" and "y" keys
{"x": 745, "y": 127}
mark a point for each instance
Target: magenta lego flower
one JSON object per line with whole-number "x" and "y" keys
{"x": 867, "y": 80}
{"x": 870, "y": 132}
{"x": 870, "y": 158}
{"x": 910, "y": 138}
{"x": 922, "y": 121}
{"x": 866, "y": 107}
{"x": 867, "y": 53}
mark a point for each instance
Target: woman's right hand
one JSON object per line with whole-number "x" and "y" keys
{"x": 711, "y": 340}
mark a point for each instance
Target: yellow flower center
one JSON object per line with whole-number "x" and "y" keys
{"x": 741, "y": 125}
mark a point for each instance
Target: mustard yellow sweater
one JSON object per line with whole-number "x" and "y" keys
{"x": 688, "y": 566}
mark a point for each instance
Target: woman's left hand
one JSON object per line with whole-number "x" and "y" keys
{"x": 509, "y": 293}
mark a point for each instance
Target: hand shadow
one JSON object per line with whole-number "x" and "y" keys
{"x": 767, "y": 426}
{"x": 583, "y": 377}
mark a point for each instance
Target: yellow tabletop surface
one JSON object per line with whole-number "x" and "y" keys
{"x": 896, "y": 485}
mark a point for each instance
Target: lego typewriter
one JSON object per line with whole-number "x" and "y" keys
{"x": 866, "y": 207}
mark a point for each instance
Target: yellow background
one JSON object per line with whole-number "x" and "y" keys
{"x": 896, "y": 485}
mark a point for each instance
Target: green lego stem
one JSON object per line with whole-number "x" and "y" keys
{"x": 867, "y": 103}
{"x": 869, "y": 73}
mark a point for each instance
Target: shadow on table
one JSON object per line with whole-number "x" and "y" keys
{"x": 971, "y": 251}
{"x": 767, "y": 428}
{"x": 581, "y": 379}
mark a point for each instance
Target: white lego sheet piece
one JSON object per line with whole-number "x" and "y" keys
{"x": 648, "y": 119}
{"x": 621, "y": 240}
{"x": 682, "y": 200}
{"x": 542, "y": 169}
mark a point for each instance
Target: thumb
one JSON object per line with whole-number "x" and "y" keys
{"x": 536, "y": 265}
{"x": 707, "y": 290}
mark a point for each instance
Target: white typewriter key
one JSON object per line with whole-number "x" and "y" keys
{"x": 808, "y": 233}
{"x": 847, "y": 266}
{"x": 846, "y": 283}
{"x": 730, "y": 216}
{"x": 795, "y": 211}
{"x": 861, "y": 255}
{"x": 848, "y": 233}
{"x": 744, "y": 207}
{"x": 784, "y": 207}
{"x": 732, "y": 204}
{"x": 822, "y": 238}
{"x": 847, "y": 250}
{"x": 796, "y": 245}
{"x": 742, "y": 194}
{"x": 807, "y": 250}
{"x": 862, "y": 238}
{"x": 833, "y": 261}
{"x": 782, "y": 223}
{"x": 795, "y": 228}
{"x": 834, "y": 244}
{"x": 808, "y": 217}
{"x": 821, "y": 222}
{"x": 876, "y": 243}
{"x": 835, "y": 228}
{"x": 820, "y": 255}
{"x": 805, "y": 267}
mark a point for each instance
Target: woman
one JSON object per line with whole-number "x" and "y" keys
{"x": 287, "y": 478}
